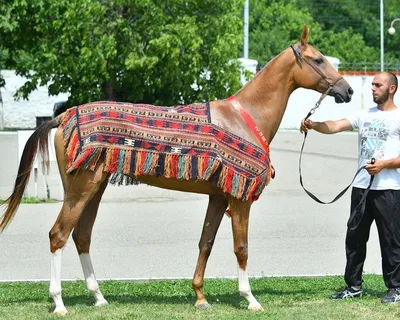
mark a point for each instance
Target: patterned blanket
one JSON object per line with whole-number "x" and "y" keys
{"x": 175, "y": 142}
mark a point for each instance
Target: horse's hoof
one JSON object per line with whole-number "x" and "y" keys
{"x": 101, "y": 303}
{"x": 60, "y": 311}
{"x": 255, "y": 306}
{"x": 204, "y": 305}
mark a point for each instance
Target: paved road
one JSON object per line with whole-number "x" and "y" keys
{"x": 145, "y": 232}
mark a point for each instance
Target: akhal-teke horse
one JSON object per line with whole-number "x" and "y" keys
{"x": 220, "y": 148}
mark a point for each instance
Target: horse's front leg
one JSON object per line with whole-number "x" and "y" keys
{"x": 215, "y": 212}
{"x": 240, "y": 224}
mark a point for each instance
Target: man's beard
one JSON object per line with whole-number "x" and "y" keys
{"x": 383, "y": 98}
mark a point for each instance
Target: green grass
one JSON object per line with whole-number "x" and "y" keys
{"x": 282, "y": 298}
{"x": 33, "y": 200}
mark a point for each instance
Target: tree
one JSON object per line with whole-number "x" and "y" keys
{"x": 275, "y": 24}
{"x": 150, "y": 51}
{"x": 361, "y": 18}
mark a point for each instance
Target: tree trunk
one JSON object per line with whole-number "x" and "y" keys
{"x": 108, "y": 91}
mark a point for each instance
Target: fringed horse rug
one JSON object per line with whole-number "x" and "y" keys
{"x": 175, "y": 142}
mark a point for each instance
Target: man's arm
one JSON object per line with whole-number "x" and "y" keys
{"x": 327, "y": 127}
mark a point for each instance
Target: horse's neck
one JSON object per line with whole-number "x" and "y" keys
{"x": 266, "y": 96}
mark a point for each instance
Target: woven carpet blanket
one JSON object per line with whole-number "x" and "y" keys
{"x": 175, "y": 142}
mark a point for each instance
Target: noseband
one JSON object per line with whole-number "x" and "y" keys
{"x": 331, "y": 84}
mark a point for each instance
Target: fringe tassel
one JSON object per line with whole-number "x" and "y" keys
{"x": 82, "y": 158}
{"x": 127, "y": 163}
{"x": 187, "y": 168}
{"x": 143, "y": 156}
{"x": 121, "y": 159}
{"x": 112, "y": 160}
{"x": 167, "y": 166}
{"x": 228, "y": 181}
{"x": 200, "y": 161}
{"x": 73, "y": 146}
{"x": 171, "y": 167}
{"x": 262, "y": 183}
{"x": 181, "y": 167}
{"x": 213, "y": 165}
{"x": 208, "y": 162}
{"x": 154, "y": 163}
{"x": 107, "y": 161}
{"x": 148, "y": 161}
{"x": 70, "y": 136}
{"x": 235, "y": 184}
{"x": 137, "y": 164}
{"x": 222, "y": 178}
{"x": 174, "y": 165}
{"x": 88, "y": 163}
{"x": 253, "y": 187}
{"x": 113, "y": 166}
{"x": 241, "y": 186}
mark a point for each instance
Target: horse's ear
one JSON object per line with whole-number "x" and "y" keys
{"x": 304, "y": 35}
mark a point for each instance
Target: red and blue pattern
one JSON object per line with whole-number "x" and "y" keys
{"x": 176, "y": 142}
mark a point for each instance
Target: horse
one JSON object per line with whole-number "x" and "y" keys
{"x": 248, "y": 120}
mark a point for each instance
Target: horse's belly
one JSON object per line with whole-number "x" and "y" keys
{"x": 197, "y": 186}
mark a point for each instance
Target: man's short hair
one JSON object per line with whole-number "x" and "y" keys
{"x": 393, "y": 80}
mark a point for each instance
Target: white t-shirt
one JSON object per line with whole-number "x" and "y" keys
{"x": 379, "y": 138}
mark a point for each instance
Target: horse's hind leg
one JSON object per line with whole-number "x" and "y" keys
{"x": 240, "y": 224}
{"x": 215, "y": 212}
{"x": 79, "y": 188}
{"x": 82, "y": 237}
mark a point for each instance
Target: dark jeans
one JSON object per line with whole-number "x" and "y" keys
{"x": 383, "y": 206}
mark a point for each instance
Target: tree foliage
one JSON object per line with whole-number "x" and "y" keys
{"x": 145, "y": 50}
{"x": 348, "y": 30}
{"x": 273, "y": 26}
{"x": 358, "y": 21}
{"x": 174, "y": 51}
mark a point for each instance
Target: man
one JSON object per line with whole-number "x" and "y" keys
{"x": 379, "y": 138}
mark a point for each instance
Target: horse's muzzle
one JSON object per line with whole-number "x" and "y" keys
{"x": 342, "y": 92}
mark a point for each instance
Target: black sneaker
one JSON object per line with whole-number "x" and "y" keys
{"x": 347, "y": 293}
{"x": 392, "y": 296}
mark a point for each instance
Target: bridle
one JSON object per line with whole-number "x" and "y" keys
{"x": 355, "y": 214}
{"x": 330, "y": 82}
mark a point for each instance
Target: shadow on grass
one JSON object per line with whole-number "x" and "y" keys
{"x": 231, "y": 299}
{"x": 219, "y": 292}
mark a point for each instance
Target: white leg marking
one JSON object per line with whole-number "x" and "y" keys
{"x": 55, "y": 282}
{"x": 245, "y": 291}
{"x": 91, "y": 282}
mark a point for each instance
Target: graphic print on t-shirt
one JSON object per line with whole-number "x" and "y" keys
{"x": 373, "y": 138}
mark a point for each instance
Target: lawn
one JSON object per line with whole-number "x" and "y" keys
{"x": 282, "y": 298}
{"x": 33, "y": 200}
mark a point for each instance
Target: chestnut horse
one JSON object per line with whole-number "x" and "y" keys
{"x": 264, "y": 99}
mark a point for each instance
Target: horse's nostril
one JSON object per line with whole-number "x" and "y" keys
{"x": 351, "y": 91}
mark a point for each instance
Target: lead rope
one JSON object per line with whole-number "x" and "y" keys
{"x": 364, "y": 196}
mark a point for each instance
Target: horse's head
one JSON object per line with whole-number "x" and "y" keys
{"x": 315, "y": 72}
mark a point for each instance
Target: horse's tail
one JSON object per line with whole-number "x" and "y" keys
{"x": 38, "y": 141}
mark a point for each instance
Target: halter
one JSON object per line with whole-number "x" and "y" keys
{"x": 331, "y": 84}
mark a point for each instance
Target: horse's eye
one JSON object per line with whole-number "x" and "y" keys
{"x": 318, "y": 61}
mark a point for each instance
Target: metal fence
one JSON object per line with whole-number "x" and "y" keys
{"x": 367, "y": 68}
